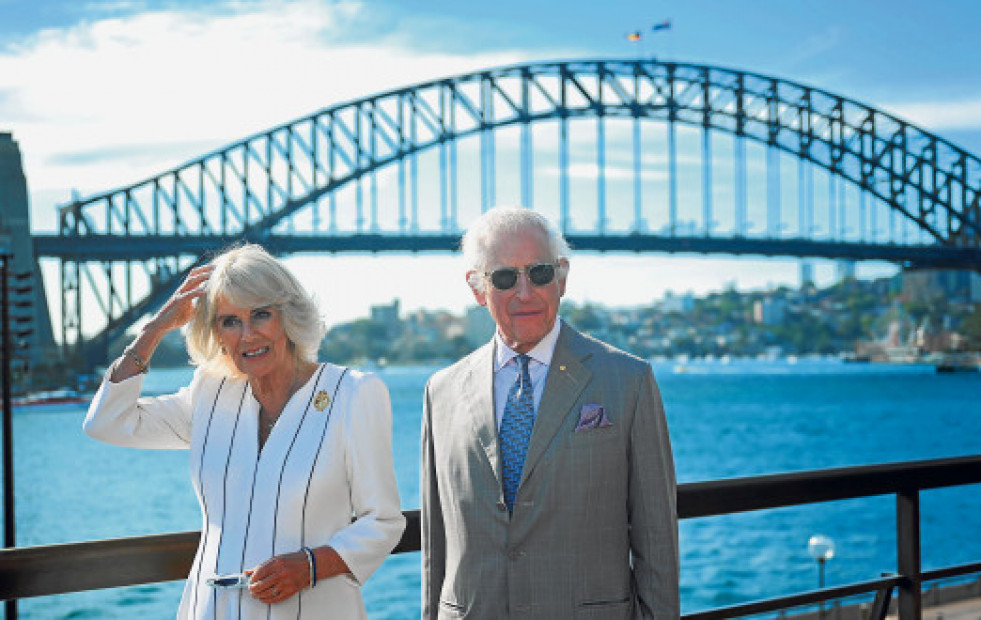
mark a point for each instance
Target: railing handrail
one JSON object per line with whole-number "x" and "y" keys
{"x": 729, "y": 495}
{"x": 79, "y": 566}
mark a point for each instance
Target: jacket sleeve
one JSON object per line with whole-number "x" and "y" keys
{"x": 652, "y": 508}
{"x": 117, "y": 415}
{"x": 378, "y": 521}
{"x": 433, "y": 540}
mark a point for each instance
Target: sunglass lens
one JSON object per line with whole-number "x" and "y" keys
{"x": 542, "y": 274}
{"x": 504, "y": 279}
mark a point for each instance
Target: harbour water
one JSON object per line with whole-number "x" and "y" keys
{"x": 735, "y": 418}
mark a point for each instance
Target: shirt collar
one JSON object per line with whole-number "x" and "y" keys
{"x": 541, "y": 352}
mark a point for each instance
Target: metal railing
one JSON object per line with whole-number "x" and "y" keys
{"x": 74, "y": 567}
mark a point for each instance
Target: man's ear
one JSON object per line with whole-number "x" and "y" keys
{"x": 473, "y": 283}
{"x": 563, "y": 273}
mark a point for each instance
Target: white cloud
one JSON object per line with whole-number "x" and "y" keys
{"x": 109, "y": 102}
{"x": 940, "y": 116}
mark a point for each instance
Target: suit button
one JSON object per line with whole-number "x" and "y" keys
{"x": 516, "y": 555}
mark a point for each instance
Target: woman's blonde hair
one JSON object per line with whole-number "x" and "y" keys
{"x": 249, "y": 277}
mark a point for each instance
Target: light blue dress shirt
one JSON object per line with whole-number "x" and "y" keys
{"x": 506, "y": 368}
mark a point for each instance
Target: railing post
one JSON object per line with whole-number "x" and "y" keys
{"x": 908, "y": 554}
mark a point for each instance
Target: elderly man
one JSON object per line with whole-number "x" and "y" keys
{"x": 548, "y": 487}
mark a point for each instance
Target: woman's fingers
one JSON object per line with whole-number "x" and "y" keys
{"x": 279, "y": 578}
{"x": 197, "y": 277}
{"x": 179, "y": 309}
{"x": 271, "y": 589}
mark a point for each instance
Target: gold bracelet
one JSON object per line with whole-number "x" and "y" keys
{"x": 142, "y": 366}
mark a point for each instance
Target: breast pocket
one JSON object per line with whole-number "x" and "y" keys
{"x": 595, "y": 438}
{"x": 597, "y": 443}
{"x": 598, "y": 456}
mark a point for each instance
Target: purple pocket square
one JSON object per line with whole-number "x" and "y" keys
{"x": 592, "y": 416}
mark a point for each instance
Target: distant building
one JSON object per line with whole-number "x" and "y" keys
{"x": 769, "y": 311}
{"x": 388, "y": 315}
{"x": 925, "y": 285}
{"x": 806, "y": 273}
{"x": 682, "y": 304}
{"x": 845, "y": 269}
{"x": 895, "y": 334}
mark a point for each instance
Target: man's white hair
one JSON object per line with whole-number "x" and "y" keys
{"x": 481, "y": 237}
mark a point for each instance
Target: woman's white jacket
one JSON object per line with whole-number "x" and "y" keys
{"x": 324, "y": 477}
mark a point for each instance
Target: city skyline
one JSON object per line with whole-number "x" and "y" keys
{"x": 100, "y": 95}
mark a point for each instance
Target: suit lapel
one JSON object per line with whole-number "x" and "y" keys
{"x": 567, "y": 377}
{"x": 477, "y": 397}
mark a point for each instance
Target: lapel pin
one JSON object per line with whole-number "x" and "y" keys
{"x": 561, "y": 367}
{"x": 321, "y": 400}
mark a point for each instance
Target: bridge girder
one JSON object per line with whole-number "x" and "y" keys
{"x": 101, "y": 248}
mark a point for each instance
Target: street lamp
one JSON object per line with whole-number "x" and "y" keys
{"x": 822, "y": 549}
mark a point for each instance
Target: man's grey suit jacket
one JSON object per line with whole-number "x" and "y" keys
{"x": 594, "y": 528}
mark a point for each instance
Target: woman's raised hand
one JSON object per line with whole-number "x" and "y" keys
{"x": 175, "y": 313}
{"x": 180, "y": 307}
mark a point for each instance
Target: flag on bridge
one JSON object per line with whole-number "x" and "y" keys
{"x": 665, "y": 25}
{"x": 633, "y": 36}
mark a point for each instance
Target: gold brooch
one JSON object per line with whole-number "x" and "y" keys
{"x": 321, "y": 400}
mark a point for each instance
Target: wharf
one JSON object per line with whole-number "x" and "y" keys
{"x": 952, "y": 602}
{"x": 968, "y": 609}
{"x": 958, "y": 601}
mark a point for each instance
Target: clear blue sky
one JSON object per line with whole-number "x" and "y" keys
{"x": 101, "y": 94}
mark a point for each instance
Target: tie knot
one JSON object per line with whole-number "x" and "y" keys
{"x": 523, "y": 360}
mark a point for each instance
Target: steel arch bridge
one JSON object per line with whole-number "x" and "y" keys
{"x": 636, "y": 155}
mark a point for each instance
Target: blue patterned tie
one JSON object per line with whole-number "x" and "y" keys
{"x": 516, "y": 423}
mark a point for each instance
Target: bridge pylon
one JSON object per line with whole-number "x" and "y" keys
{"x": 15, "y": 232}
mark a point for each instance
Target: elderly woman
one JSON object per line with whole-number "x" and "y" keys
{"x": 291, "y": 460}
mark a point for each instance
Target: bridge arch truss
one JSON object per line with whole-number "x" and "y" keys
{"x": 641, "y": 155}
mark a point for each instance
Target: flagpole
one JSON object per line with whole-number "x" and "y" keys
{"x": 637, "y": 39}
{"x": 664, "y": 25}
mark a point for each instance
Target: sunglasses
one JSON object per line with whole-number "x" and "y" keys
{"x": 505, "y": 278}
